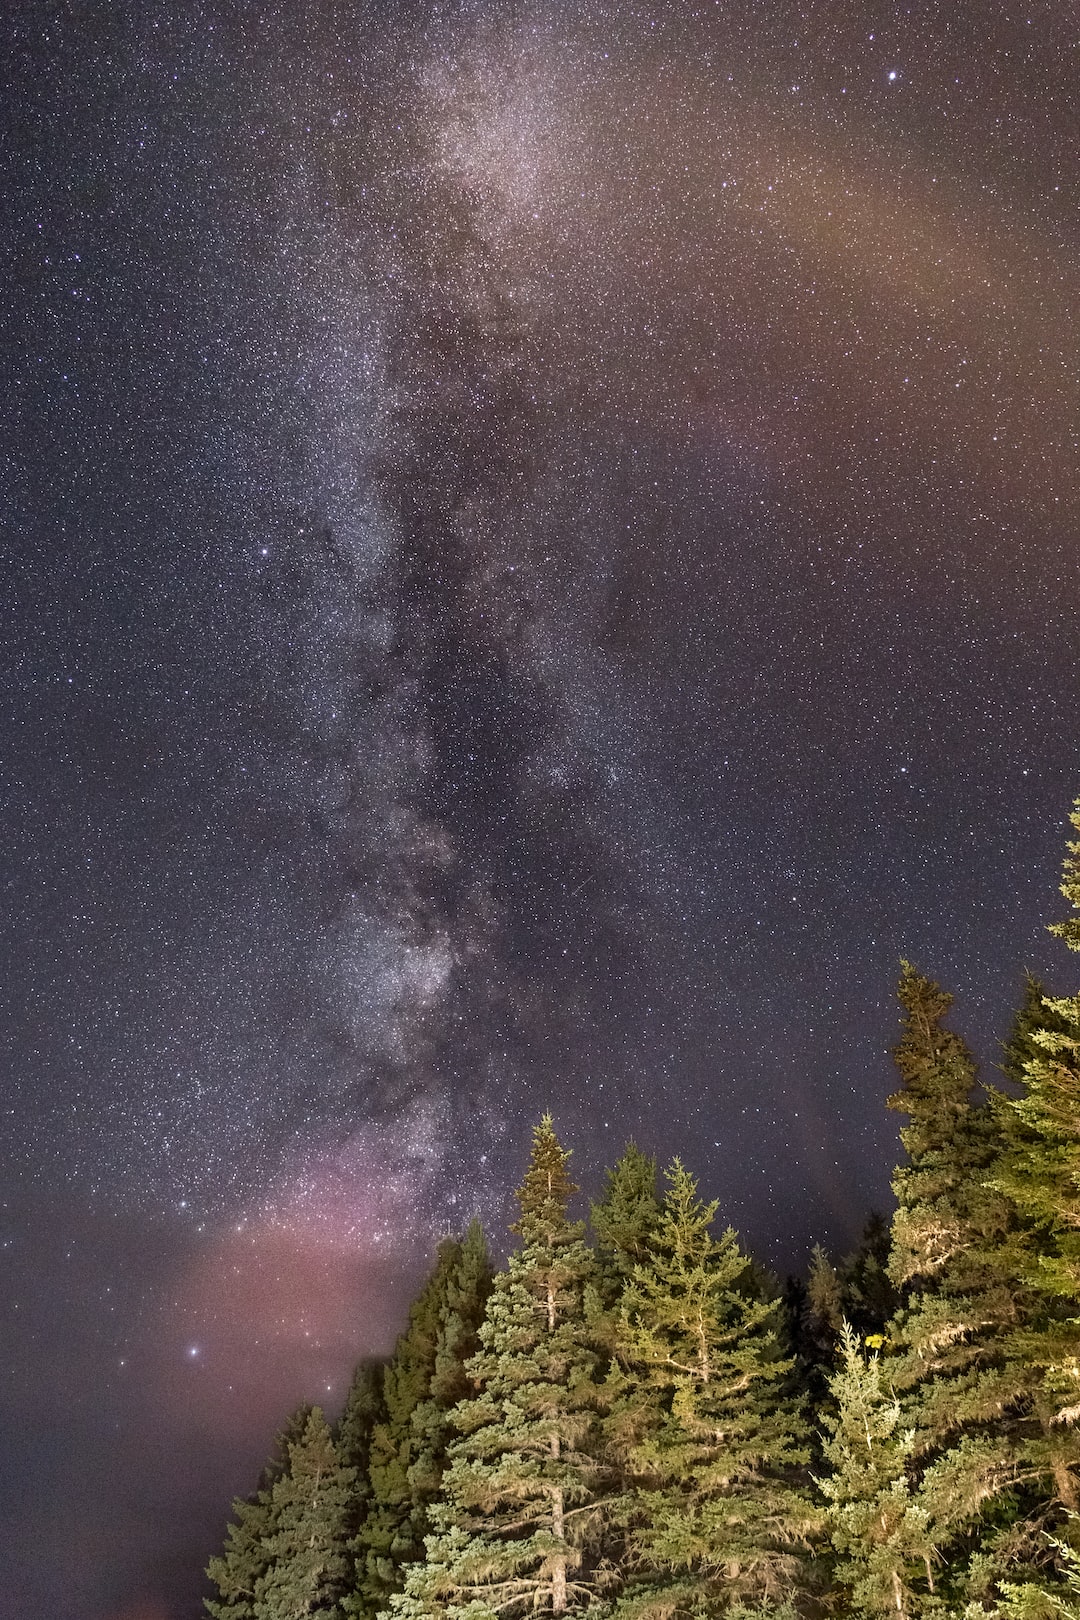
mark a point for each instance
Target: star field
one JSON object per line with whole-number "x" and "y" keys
{"x": 539, "y": 560}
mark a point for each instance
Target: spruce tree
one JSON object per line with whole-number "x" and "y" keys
{"x": 462, "y": 1309}
{"x": 870, "y": 1296}
{"x": 514, "y": 1529}
{"x": 824, "y": 1305}
{"x": 310, "y": 1502}
{"x": 246, "y": 1555}
{"x": 352, "y": 1436}
{"x": 963, "y": 1396}
{"x": 716, "y": 1517}
{"x": 406, "y": 1448}
{"x": 362, "y": 1411}
{"x": 1038, "y": 1170}
{"x": 880, "y": 1535}
{"x": 1069, "y": 929}
{"x": 624, "y": 1220}
{"x": 1053, "y": 1598}
{"x": 859, "y": 1291}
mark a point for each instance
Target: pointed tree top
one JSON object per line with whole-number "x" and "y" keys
{"x": 629, "y": 1204}
{"x": 1069, "y": 930}
{"x": 936, "y": 1067}
{"x": 546, "y": 1189}
{"x": 921, "y": 998}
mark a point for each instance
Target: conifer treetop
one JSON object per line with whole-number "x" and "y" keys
{"x": 628, "y": 1208}
{"x": 546, "y": 1189}
{"x": 1069, "y": 930}
{"x": 935, "y": 1065}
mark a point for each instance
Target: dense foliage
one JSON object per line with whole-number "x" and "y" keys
{"x": 646, "y": 1427}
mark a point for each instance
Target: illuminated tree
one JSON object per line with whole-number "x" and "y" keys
{"x": 308, "y": 1565}
{"x": 513, "y": 1531}
{"x": 879, "y": 1533}
{"x": 624, "y": 1219}
{"x": 1038, "y": 1171}
{"x": 717, "y": 1519}
{"x": 406, "y": 1449}
{"x": 948, "y": 1350}
{"x": 246, "y": 1554}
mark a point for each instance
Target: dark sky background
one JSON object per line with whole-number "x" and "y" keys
{"x": 540, "y": 558}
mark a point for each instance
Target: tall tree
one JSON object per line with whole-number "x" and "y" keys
{"x": 406, "y": 1449}
{"x": 858, "y": 1290}
{"x": 1069, "y": 929}
{"x": 624, "y": 1219}
{"x": 951, "y": 1356}
{"x": 308, "y": 1568}
{"x": 515, "y": 1527}
{"x": 870, "y": 1296}
{"x": 1038, "y": 1170}
{"x": 717, "y": 1516}
{"x": 246, "y": 1556}
{"x": 879, "y": 1533}
{"x": 362, "y": 1410}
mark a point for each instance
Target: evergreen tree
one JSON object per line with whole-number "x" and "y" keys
{"x": 363, "y": 1409}
{"x": 514, "y": 1529}
{"x": 815, "y": 1316}
{"x": 246, "y": 1554}
{"x": 244, "y": 1559}
{"x": 859, "y": 1291}
{"x": 824, "y": 1302}
{"x": 963, "y": 1395}
{"x": 1054, "y": 1599}
{"x": 624, "y": 1220}
{"x": 352, "y": 1436}
{"x": 716, "y": 1518}
{"x": 1024, "y": 1045}
{"x": 879, "y": 1533}
{"x": 870, "y": 1296}
{"x": 1038, "y": 1170}
{"x": 468, "y": 1287}
{"x": 1069, "y": 930}
{"x": 406, "y": 1449}
{"x": 310, "y": 1503}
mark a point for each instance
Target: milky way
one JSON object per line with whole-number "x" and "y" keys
{"x": 540, "y": 560}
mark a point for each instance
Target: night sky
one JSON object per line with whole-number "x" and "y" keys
{"x": 539, "y": 559}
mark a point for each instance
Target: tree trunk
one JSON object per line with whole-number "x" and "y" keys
{"x": 558, "y": 1573}
{"x": 1066, "y": 1485}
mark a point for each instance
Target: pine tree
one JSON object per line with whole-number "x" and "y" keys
{"x": 716, "y": 1517}
{"x": 468, "y": 1287}
{"x": 879, "y": 1533}
{"x": 963, "y": 1395}
{"x": 1024, "y": 1045}
{"x": 824, "y": 1302}
{"x": 859, "y": 1291}
{"x": 1038, "y": 1170}
{"x": 1069, "y": 930}
{"x": 1049, "y": 1599}
{"x": 624, "y": 1219}
{"x": 363, "y": 1409}
{"x": 246, "y": 1554}
{"x": 513, "y": 1531}
{"x": 869, "y": 1294}
{"x": 406, "y": 1448}
{"x": 310, "y": 1503}
{"x": 352, "y": 1436}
